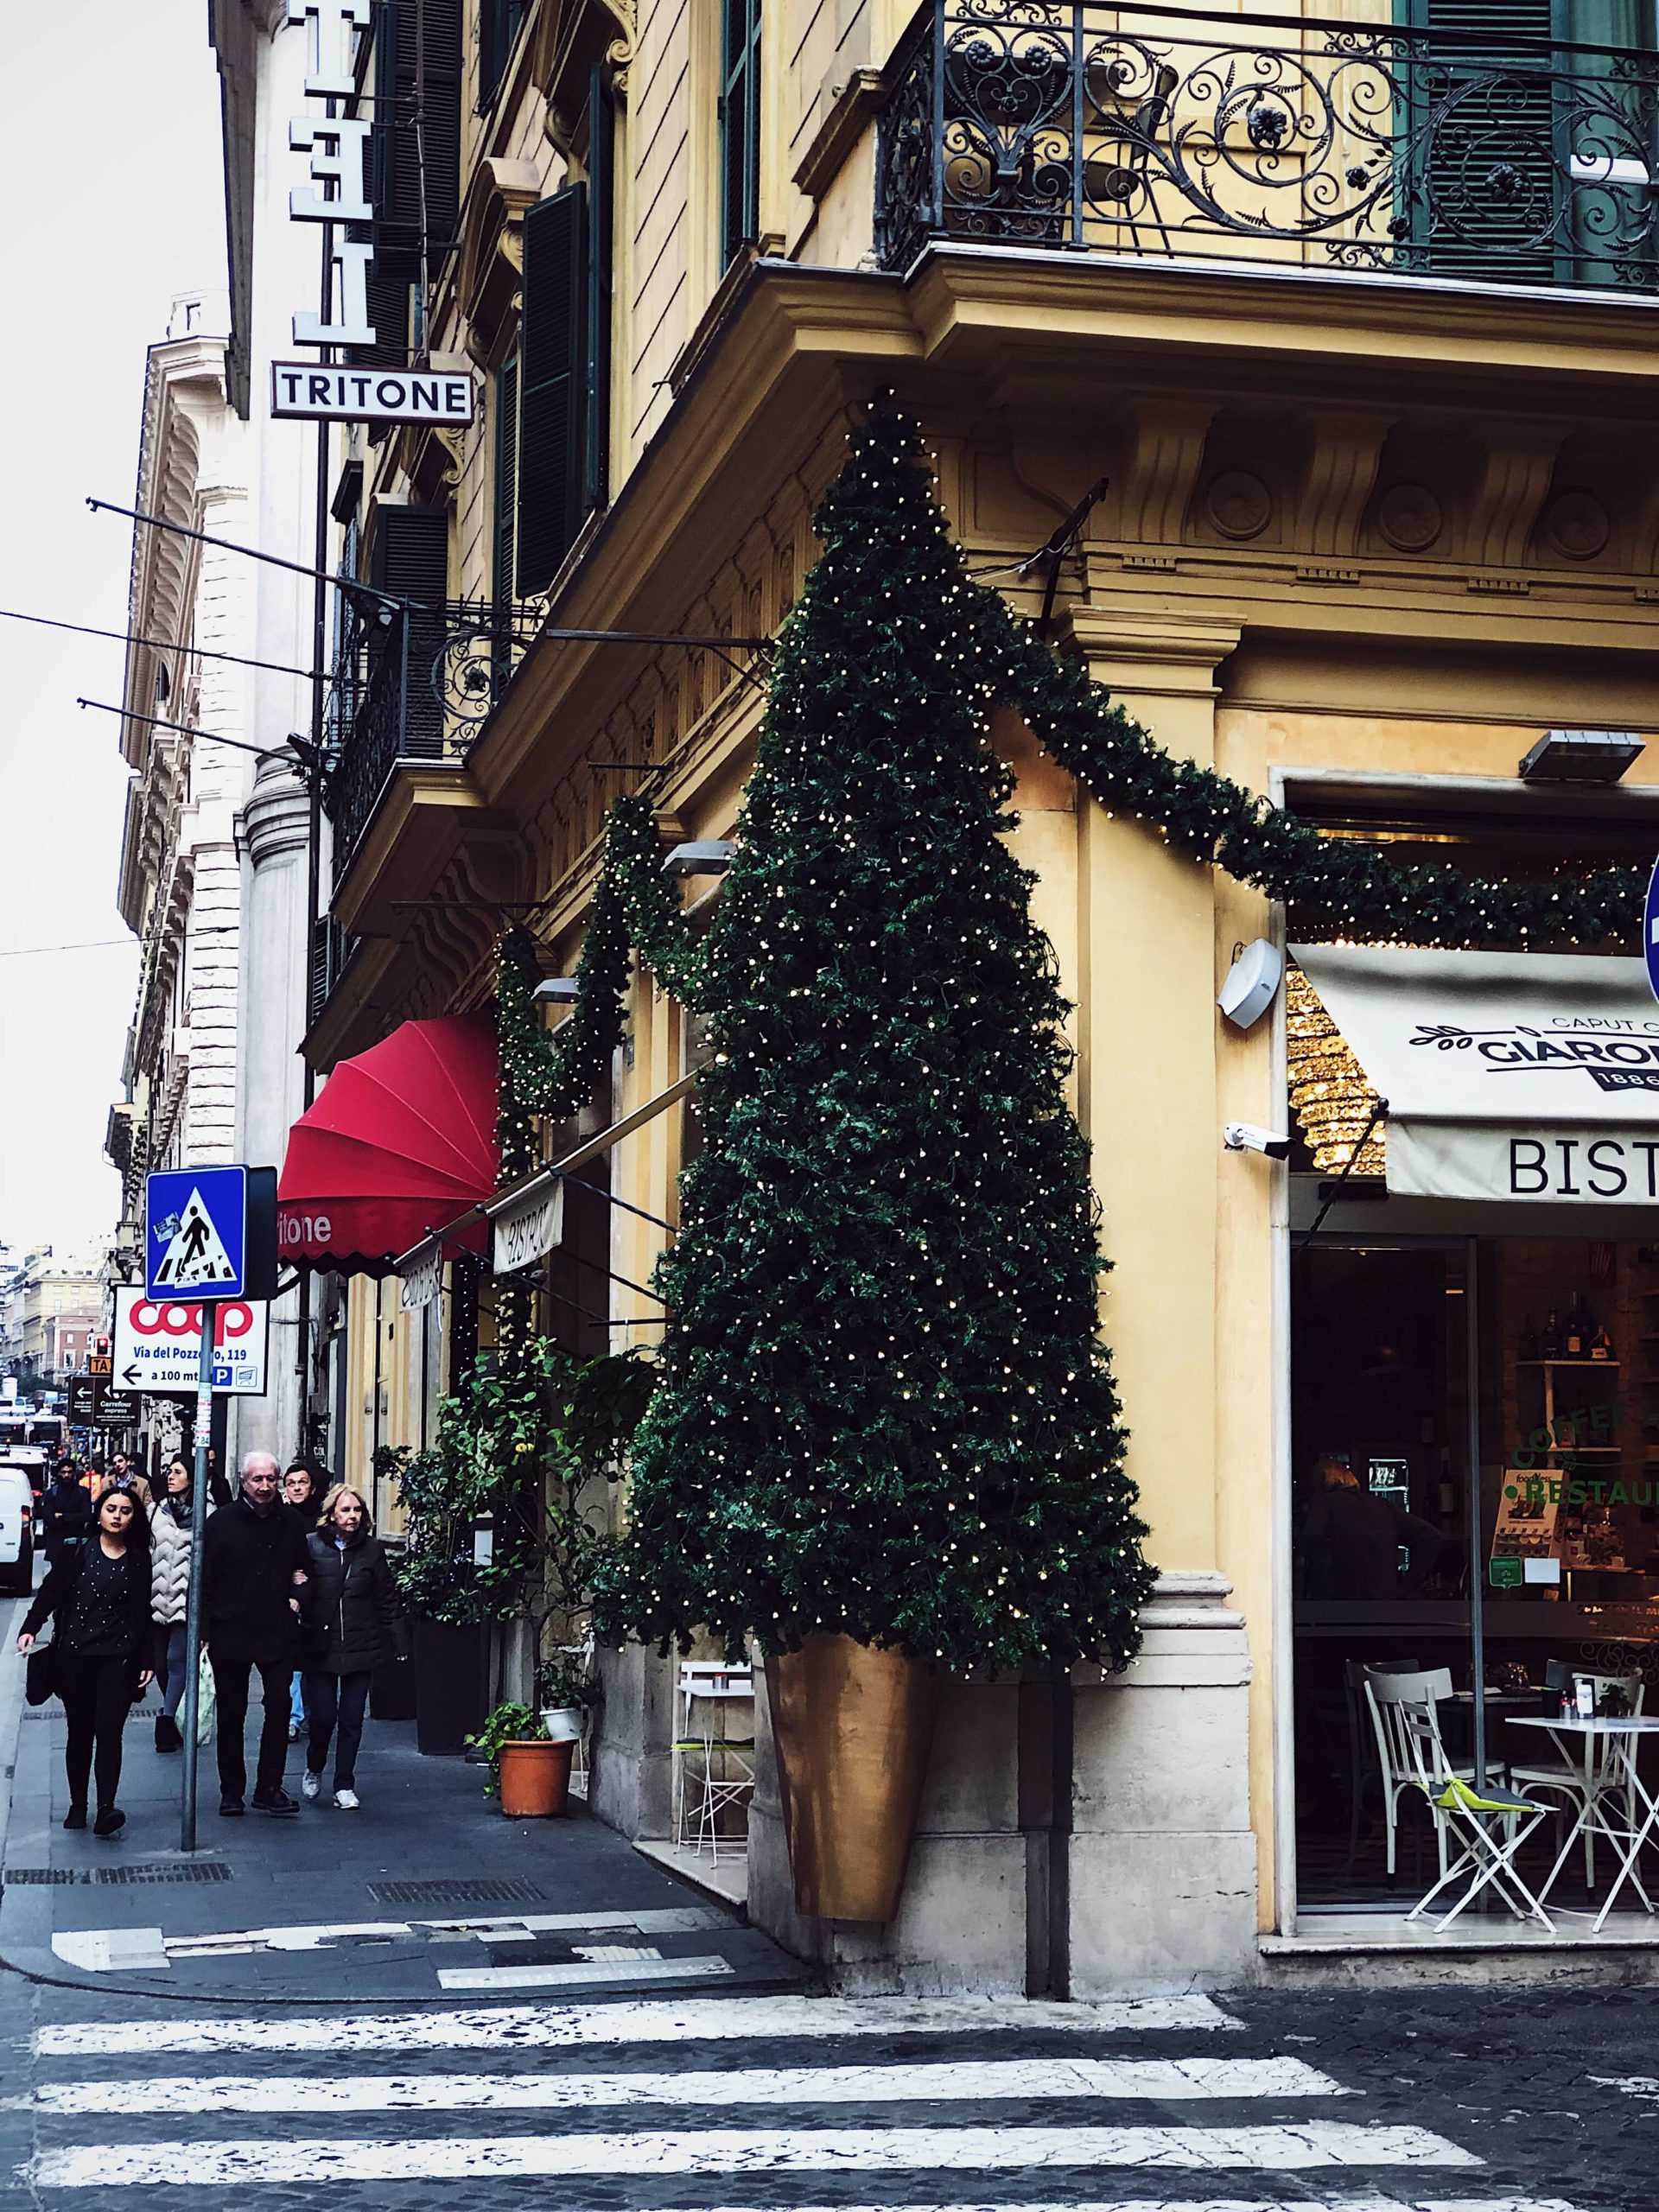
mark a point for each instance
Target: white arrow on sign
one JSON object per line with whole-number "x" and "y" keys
{"x": 158, "y": 1345}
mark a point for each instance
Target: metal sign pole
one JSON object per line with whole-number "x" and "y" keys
{"x": 193, "y": 1609}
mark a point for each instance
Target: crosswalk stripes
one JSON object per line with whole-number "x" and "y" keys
{"x": 1154, "y": 2093}
{"x": 558, "y": 2027}
{"x": 1173, "y": 2080}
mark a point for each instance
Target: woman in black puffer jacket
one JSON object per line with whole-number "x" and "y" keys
{"x": 351, "y": 1618}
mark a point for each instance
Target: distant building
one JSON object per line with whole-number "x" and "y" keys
{"x": 49, "y": 1313}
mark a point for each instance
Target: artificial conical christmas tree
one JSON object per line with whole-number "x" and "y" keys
{"x": 883, "y": 1409}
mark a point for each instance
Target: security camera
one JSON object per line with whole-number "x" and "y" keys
{"x": 1251, "y": 981}
{"x": 1244, "y": 1137}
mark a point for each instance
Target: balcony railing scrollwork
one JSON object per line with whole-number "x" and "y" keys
{"x": 1061, "y": 124}
{"x": 415, "y": 684}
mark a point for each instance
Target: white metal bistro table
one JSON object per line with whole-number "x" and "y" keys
{"x": 1620, "y": 1736}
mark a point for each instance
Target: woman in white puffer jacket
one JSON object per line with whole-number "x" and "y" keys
{"x": 170, "y": 1540}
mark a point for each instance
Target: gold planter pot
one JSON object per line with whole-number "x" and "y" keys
{"x": 853, "y": 1728}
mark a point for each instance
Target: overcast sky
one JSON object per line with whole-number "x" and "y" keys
{"x": 110, "y": 175}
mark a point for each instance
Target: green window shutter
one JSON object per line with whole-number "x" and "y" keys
{"x": 506, "y": 480}
{"x": 553, "y": 374}
{"x": 416, "y": 68}
{"x": 601, "y": 124}
{"x": 410, "y": 559}
{"x": 1459, "y": 227}
{"x": 740, "y": 127}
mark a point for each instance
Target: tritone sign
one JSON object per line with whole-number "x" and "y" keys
{"x": 340, "y": 196}
{"x": 302, "y": 392}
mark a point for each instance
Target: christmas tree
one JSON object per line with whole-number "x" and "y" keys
{"x": 883, "y": 1409}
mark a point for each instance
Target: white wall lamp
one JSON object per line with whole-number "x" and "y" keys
{"x": 557, "y": 990}
{"x": 1256, "y": 973}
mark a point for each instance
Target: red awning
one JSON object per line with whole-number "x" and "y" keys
{"x": 401, "y": 1140}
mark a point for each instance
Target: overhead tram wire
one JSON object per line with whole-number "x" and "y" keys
{"x": 160, "y": 645}
{"x": 299, "y": 745}
{"x": 353, "y": 586}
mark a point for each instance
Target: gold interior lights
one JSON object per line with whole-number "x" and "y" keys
{"x": 1330, "y": 1094}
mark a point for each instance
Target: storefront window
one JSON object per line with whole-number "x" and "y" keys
{"x": 1562, "y": 1365}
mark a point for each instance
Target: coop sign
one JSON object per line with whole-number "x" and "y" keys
{"x": 339, "y": 196}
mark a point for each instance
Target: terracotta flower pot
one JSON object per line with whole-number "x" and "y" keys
{"x": 853, "y": 1728}
{"x": 535, "y": 1780}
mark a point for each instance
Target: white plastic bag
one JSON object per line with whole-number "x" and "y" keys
{"x": 207, "y": 1701}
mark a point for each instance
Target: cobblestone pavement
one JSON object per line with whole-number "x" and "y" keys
{"x": 1463, "y": 2101}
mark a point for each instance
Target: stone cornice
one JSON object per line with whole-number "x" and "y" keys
{"x": 489, "y": 267}
{"x": 277, "y": 818}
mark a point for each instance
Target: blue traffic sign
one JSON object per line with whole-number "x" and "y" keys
{"x": 1650, "y": 931}
{"x": 196, "y": 1232}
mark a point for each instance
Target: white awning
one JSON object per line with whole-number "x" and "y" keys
{"x": 1507, "y": 1076}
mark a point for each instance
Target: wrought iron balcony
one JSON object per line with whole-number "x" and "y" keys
{"x": 413, "y": 684}
{"x": 1068, "y": 126}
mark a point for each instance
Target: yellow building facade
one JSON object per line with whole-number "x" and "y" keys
{"x": 1373, "y": 427}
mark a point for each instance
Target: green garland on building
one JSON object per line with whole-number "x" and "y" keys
{"x": 1339, "y": 886}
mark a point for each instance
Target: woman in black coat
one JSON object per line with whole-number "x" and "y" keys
{"x": 99, "y": 1598}
{"x": 351, "y": 1618}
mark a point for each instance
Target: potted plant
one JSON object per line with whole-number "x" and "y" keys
{"x": 529, "y": 1769}
{"x": 563, "y": 1692}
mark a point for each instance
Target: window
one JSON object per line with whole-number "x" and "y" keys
{"x": 410, "y": 559}
{"x": 416, "y": 172}
{"x": 1571, "y": 128}
{"x": 498, "y": 23}
{"x": 563, "y": 375}
{"x": 740, "y": 128}
{"x": 503, "y": 560}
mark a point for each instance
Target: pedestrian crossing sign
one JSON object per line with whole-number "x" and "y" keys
{"x": 196, "y": 1232}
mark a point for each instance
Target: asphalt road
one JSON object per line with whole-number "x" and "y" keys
{"x": 1269, "y": 2101}
{"x": 755, "y": 2094}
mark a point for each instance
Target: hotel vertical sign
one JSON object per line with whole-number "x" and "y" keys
{"x": 340, "y": 196}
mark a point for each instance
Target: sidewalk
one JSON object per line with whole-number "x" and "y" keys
{"x": 426, "y": 1890}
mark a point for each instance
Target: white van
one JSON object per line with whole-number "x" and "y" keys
{"x": 16, "y": 1530}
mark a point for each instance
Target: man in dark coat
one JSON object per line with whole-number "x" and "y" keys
{"x": 253, "y": 1563}
{"x": 66, "y": 1514}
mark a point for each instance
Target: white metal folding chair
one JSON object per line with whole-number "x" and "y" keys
{"x": 1486, "y": 1822}
{"x": 1603, "y": 1774}
{"x": 711, "y": 1771}
{"x": 1404, "y": 1714}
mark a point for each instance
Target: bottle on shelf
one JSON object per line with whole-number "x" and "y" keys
{"x": 1575, "y": 1341}
{"x": 1601, "y": 1344}
{"x": 1528, "y": 1348}
{"x": 1550, "y": 1342}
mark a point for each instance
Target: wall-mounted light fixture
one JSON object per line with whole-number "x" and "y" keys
{"x": 1252, "y": 980}
{"x": 703, "y": 856}
{"x": 1581, "y": 756}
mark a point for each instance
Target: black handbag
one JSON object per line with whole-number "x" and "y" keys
{"x": 39, "y": 1675}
